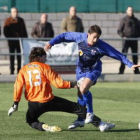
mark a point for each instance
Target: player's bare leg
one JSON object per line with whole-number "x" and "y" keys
{"x": 85, "y": 99}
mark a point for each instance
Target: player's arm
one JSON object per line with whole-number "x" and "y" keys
{"x": 64, "y": 37}
{"x": 108, "y": 50}
{"x": 18, "y": 86}
{"x": 56, "y": 80}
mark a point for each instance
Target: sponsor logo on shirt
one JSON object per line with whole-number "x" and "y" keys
{"x": 93, "y": 52}
{"x": 80, "y": 52}
{"x": 31, "y": 65}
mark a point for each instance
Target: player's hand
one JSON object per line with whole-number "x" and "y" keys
{"x": 13, "y": 108}
{"x": 47, "y": 47}
{"x": 73, "y": 85}
{"x": 135, "y": 66}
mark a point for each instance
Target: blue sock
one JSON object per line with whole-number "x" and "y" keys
{"x": 88, "y": 99}
{"x": 82, "y": 103}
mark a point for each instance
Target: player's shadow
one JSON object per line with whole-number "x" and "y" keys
{"x": 79, "y": 130}
{"x": 124, "y": 130}
{"x": 118, "y": 130}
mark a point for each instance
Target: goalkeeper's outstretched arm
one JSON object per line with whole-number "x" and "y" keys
{"x": 13, "y": 108}
{"x": 18, "y": 86}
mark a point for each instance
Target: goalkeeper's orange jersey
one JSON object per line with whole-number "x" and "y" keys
{"x": 37, "y": 77}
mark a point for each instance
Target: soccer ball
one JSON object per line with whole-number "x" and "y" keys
{"x": 80, "y": 81}
{"x": 139, "y": 125}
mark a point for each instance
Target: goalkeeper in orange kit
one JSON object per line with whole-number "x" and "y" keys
{"x": 37, "y": 77}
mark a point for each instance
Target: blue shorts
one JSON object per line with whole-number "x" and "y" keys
{"x": 92, "y": 75}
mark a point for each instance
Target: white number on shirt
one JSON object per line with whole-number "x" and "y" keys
{"x": 38, "y": 77}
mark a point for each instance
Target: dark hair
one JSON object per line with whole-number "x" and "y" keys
{"x": 95, "y": 29}
{"x": 35, "y": 53}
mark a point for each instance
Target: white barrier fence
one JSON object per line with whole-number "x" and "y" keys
{"x": 61, "y": 54}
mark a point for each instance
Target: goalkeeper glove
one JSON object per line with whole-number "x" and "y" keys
{"x": 13, "y": 108}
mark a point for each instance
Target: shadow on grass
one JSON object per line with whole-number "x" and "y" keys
{"x": 79, "y": 130}
{"x": 120, "y": 130}
{"x": 124, "y": 130}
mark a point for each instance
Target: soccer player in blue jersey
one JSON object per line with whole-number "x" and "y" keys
{"x": 89, "y": 66}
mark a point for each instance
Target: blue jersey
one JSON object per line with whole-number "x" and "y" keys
{"x": 89, "y": 56}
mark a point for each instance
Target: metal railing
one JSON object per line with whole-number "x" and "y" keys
{"x": 47, "y": 39}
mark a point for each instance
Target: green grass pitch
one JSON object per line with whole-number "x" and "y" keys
{"x": 118, "y": 103}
